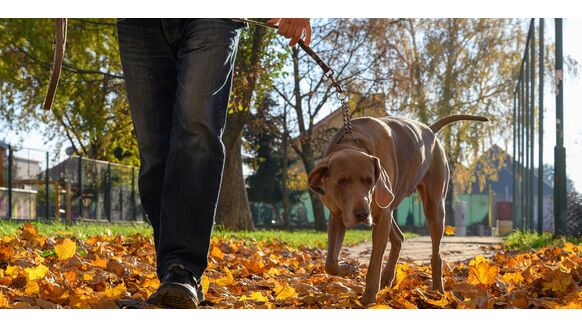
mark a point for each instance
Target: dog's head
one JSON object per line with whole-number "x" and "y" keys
{"x": 347, "y": 182}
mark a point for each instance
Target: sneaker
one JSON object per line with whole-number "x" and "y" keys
{"x": 178, "y": 290}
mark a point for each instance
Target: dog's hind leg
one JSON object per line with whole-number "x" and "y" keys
{"x": 433, "y": 192}
{"x": 396, "y": 240}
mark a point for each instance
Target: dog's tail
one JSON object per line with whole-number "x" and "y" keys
{"x": 435, "y": 127}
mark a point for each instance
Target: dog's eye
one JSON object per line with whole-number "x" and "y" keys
{"x": 343, "y": 181}
{"x": 367, "y": 181}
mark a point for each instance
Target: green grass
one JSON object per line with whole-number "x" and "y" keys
{"x": 297, "y": 238}
{"x": 80, "y": 230}
{"x": 523, "y": 241}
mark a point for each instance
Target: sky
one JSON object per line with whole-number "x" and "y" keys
{"x": 572, "y": 111}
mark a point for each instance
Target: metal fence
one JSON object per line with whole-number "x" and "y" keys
{"x": 527, "y": 102}
{"x": 76, "y": 189}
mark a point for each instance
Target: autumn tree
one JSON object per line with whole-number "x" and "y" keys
{"x": 90, "y": 111}
{"x": 459, "y": 66}
{"x": 359, "y": 60}
{"x": 256, "y": 66}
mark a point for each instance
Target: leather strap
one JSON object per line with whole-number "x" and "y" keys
{"x": 60, "y": 42}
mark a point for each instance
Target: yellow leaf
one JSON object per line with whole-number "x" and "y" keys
{"x": 115, "y": 291}
{"x": 36, "y": 273}
{"x": 380, "y": 306}
{"x": 12, "y": 270}
{"x": 66, "y": 249}
{"x": 273, "y": 272}
{"x": 217, "y": 253}
{"x": 284, "y": 292}
{"x": 481, "y": 272}
{"x": 205, "y": 283}
{"x": 87, "y": 277}
{"x": 512, "y": 278}
{"x": 32, "y": 288}
{"x": 255, "y": 296}
{"x": 571, "y": 248}
{"x": 3, "y": 300}
{"x": 400, "y": 274}
{"x": 449, "y": 231}
{"x": 226, "y": 280}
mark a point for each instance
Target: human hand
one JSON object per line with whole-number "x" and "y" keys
{"x": 293, "y": 28}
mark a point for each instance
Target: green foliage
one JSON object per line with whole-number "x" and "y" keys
{"x": 90, "y": 110}
{"x": 526, "y": 241}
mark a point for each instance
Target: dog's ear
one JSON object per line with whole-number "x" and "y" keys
{"x": 314, "y": 179}
{"x": 383, "y": 188}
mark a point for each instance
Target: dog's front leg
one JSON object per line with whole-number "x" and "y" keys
{"x": 336, "y": 231}
{"x": 380, "y": 234}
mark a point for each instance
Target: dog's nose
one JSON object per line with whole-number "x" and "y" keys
{"x": 361, "y": 214}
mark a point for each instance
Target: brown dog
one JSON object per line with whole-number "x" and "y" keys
{"x": 390, "y": 158}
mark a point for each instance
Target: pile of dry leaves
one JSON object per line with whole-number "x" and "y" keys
{"x": 111, "y": 272}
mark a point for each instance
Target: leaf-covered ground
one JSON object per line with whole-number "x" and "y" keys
{"x": 111, "y": 272}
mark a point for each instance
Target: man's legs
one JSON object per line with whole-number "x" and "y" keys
{"x": 178, "y": 77}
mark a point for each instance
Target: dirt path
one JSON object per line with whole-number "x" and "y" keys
{"x": 418, "y": 249}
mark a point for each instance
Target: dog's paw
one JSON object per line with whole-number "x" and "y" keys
{"x": 346, "y": 269}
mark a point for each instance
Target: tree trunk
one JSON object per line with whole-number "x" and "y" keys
{"x": 234, "y": 211}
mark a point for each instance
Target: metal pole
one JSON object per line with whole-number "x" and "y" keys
{"x": 560, "y": 213}
{"x": 513, "y": 163}
{"x": 531, "y": 137}
{"x": 526, "y": 142}
{"x": 10, "y": 165}
{"x": 133, "y": 205}
{"x": 540, "y": 227}
{"x": 522, "y": 159}
{"x": 80, "y": 188}
{"x": 109, "y": 192}
{"x": 47, "y": 187}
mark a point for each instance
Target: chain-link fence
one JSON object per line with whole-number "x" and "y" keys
{"x": 75, "y": 189}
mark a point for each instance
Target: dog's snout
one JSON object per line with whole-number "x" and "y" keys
{"x": 361, "y": 214}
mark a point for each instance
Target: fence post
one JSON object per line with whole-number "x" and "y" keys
{"x": 133, "y": 205}
{"x": 109, "y": 191}
{"x": 540, "y": 227}
{"x": 10, "y": 164}
{"x": 47, "y": 185}
{"x": 532, "y": 127}
{"x": 80, "y": 187}
{"x": 560, "y": 213}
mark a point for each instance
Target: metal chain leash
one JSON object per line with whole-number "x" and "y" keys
{"x": 327, "y": 72}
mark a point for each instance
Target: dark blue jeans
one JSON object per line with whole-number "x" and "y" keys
{"x": 178, "y": 75}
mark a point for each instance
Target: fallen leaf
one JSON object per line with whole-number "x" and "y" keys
{"x": 37, "y": 272}
{"x": 481, "y": 272}
{"x": 449, "y": 230}
{"x": 255, "y": 296}
{"x": 3, "y": 300}
{"x": 227, "y": 280}
{"x": 66, "y": 249}
{"x": 283, "y": 293}
{"x": 217, "y": 253}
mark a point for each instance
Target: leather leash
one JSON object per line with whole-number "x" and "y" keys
{"x": 327, "y": 72}
{"x": 59, "y": 42}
